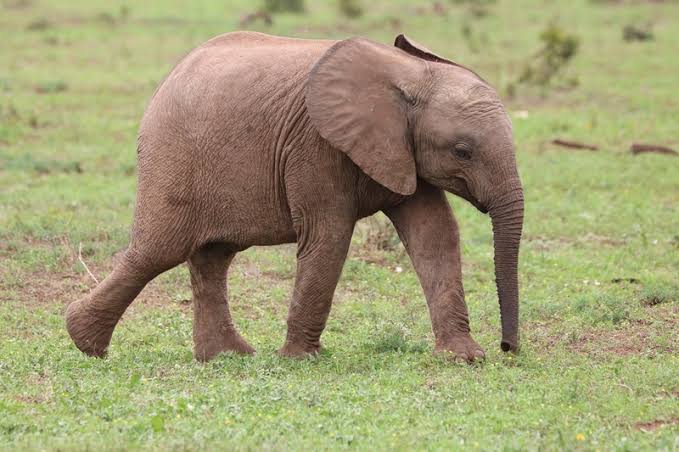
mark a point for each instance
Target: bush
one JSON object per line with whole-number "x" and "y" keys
{"x": 637, "y": 33}
{"x": 559, "y": 47}
{"x": 350, "y": 8}
{"x": 653, "y": 295}
{"x": 284, "y": 6}
{"x": 475, "y": 2}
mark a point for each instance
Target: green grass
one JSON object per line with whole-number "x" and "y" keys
{"x": 599, "y": 270}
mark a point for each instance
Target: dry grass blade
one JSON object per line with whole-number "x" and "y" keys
{"x": 80, "y": 258}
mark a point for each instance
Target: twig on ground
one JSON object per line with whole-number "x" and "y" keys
{"x": 638, "y": 148}
{"x": 622, "y": 385}
{"x": 80, "y": 258}
{"x": 575, "y": 145}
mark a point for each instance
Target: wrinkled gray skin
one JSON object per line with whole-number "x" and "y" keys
{"x": 261, "y": 140}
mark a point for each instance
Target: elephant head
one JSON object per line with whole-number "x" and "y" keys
{"x": 402, "y": 113}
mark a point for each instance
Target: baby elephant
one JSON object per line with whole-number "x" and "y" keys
{"x": 262, "y": 140}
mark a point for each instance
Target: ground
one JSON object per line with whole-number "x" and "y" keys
{"x": 599, "y": 262}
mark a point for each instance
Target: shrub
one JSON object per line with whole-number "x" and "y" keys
{"x": 653, "y": 295}
{"x": 284, "y": 6}
{"x": 558, "y": 48}
{"x": 350, "y": 8}
{"x": 637, "y": 33}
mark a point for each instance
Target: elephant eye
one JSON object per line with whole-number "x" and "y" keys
{"x": 462, "y": 151}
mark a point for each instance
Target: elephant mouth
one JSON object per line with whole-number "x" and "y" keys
{"x": 460, "y": 189}
{"x": 475, "y": 202}
{"x": 483, "y": 209}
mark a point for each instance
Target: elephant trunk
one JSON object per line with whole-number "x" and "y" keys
{"x": 506, "y": 212}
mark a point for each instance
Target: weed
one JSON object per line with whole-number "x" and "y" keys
{"x": 658, "y": 294}
{"x": 39, "y": 25}
{"x": 284, "y": 6}
{"x": 350, "y": 8}
{"x": 52, "y": 86}
{"x": 396, "y": 337}
{"x": 637, "y": 33}
{"x": 558, "y": 48}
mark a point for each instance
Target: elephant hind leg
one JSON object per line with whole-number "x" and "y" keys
{"x": 91, "y": 320}
{"x": 213, "y": 329}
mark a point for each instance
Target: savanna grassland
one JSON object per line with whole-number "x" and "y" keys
{"x": 599, "y": 366}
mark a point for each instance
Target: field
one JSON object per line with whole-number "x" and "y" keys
{"x": 599, "y": 366}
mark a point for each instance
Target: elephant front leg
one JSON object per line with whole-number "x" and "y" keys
{"x": 429, "y": 232}
{"x": 320, "y": 257}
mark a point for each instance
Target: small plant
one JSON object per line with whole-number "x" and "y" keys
{"x": 474, "y": 2}
{"x": 602, "y": 308}
{"x": 52, "y": 86}
{"x": 350, "y": 8}
{"x": 477, "y": 8}
{"x": 284, "y": 6}
{"x": 39, "y": 25}
{"x": 396, "y": 337}
{"x": 637, "y": 33}
{"x": 106, "y": 18}
{"x": 655, "y": 295}
{"x": 559, "y": 47}
{"x": 257, "y": 16}
{"x": 124, "y": 13}
{"x": 473, "y": 39}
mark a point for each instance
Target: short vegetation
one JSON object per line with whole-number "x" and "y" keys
{"x": 599, "y": 262}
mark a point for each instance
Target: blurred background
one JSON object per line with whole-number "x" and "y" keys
{"x": 592, "y": 89}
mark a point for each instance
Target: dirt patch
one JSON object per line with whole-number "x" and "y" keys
{"x": 40, "y": 288}
{"x": 70, "y": 282}
{"x": 630, "y": 341}
{"x": 542, "y": 243}
{"x": 656, "y": 424}
{"x": 44, "y": 394}
{"x": 37, "y": 288}
{"x": 648, "y": 336}
{"x": 634, "y": 338}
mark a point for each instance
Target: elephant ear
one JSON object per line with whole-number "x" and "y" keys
{"x": 418, "y": 50}
{"x": 358, "y": 98}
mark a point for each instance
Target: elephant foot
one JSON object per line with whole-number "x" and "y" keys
{"x": 460, "y": 348}
{"x": 90, "y": 330}
{"x": 299, "y": 351}
{"x": 231, "y": 342}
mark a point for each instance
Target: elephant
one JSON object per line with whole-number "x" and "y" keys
{"x": 257, "y": 140}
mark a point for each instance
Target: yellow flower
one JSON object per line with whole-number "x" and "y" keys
{"x": 580, "y": 437}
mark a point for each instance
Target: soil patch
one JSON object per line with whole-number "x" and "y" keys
{"x": 634, "y": 338}
{"x": 656, "y": 424}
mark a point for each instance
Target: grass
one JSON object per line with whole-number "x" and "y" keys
{"x": 600, "y": 294}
